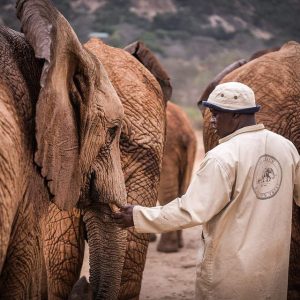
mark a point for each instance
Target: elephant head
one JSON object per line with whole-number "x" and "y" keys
{"x": 78, "y": 122}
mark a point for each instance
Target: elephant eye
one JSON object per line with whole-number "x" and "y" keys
{"x": 111, "y": 133}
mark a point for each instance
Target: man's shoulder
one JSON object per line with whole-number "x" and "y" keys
{"x": 281, "y": 139}
{"x": 224, "y": 158}
{"x": 222, "y": 152}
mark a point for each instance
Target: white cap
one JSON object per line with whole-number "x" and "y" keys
{"x": 232, "y": 97}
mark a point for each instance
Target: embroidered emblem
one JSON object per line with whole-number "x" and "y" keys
{"x": 267, "y": 177}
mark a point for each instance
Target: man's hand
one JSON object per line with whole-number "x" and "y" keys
{"x": 124, "y": 218}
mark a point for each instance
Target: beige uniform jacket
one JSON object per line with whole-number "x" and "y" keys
{"x": 242, "y": 194}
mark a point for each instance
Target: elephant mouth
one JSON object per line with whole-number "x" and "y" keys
{"x": 114, "y": 207}
{"x": 97, "y": 201}
{"x": 97, "y": 197}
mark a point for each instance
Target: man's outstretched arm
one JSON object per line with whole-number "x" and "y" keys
{"x": 208, "y": 193}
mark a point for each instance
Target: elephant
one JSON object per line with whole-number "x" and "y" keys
{"x": 61, "y": 121}
{"x": 274, "y": 77}
{"x": 144, "y": 98}
{"x": 142, "y": 168}
{"x": 177, "y": 167}
{"x": 141, "y": 143}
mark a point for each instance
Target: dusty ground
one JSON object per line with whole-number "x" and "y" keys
{"x": 170, "y": 276}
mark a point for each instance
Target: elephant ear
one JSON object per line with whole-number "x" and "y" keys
{"x": 57, "y": 153}
{"x": 211, "y": 86}
{"x": 147, "y": 58}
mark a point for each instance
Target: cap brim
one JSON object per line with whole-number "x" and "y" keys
{"x": 249, "y": 110}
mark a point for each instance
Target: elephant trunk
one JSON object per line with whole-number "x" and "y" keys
{"x": 107, "y": 245}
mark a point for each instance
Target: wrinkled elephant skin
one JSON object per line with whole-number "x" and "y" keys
{"x": 60, "y": 129}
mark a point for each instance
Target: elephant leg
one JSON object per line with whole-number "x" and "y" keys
{"x": 180, "y": 239}
{"x": 152, "y": 237}
{"x": 168, "y": 190}
{"x": 21, "y": 272}
{"x": 137, "y": 245}
{"x": 63, "y": 250}
{"x": 81, "y": 290}
{"x": 141, "y": 172}
{"x": 168, "y": 242}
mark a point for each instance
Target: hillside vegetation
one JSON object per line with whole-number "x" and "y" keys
{"x": 194, "y": 39}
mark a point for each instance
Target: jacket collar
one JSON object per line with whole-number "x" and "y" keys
{"x": 242, "y": 130}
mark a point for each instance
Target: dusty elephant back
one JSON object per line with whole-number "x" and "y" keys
{"x": 19, "y": 87}
{"x": 20, "y": 72}
{"x": 274, "y": 77}
{"x": 21, "y": 205}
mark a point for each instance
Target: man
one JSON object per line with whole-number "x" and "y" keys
{"x": 242, "y": 194}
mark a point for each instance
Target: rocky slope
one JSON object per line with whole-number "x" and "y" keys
{"x": 194, "y": 39}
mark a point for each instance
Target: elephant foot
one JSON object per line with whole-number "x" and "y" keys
{"x": 81, "y": 290}
{"x": 168, "y": 242}
{"x": 152, "y": 237}
{"x": 180, "y": 239}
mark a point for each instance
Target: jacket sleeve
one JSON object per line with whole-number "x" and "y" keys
{"x": 297, "y": 185}
{"x": 208, "y": 193}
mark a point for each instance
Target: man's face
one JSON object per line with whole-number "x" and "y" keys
{"x": 224, "y": 123}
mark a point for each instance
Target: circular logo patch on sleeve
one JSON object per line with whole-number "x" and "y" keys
{"x": 267, "y": 177}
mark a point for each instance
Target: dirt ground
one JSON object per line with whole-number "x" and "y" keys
{"x": 170, "y": 276}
